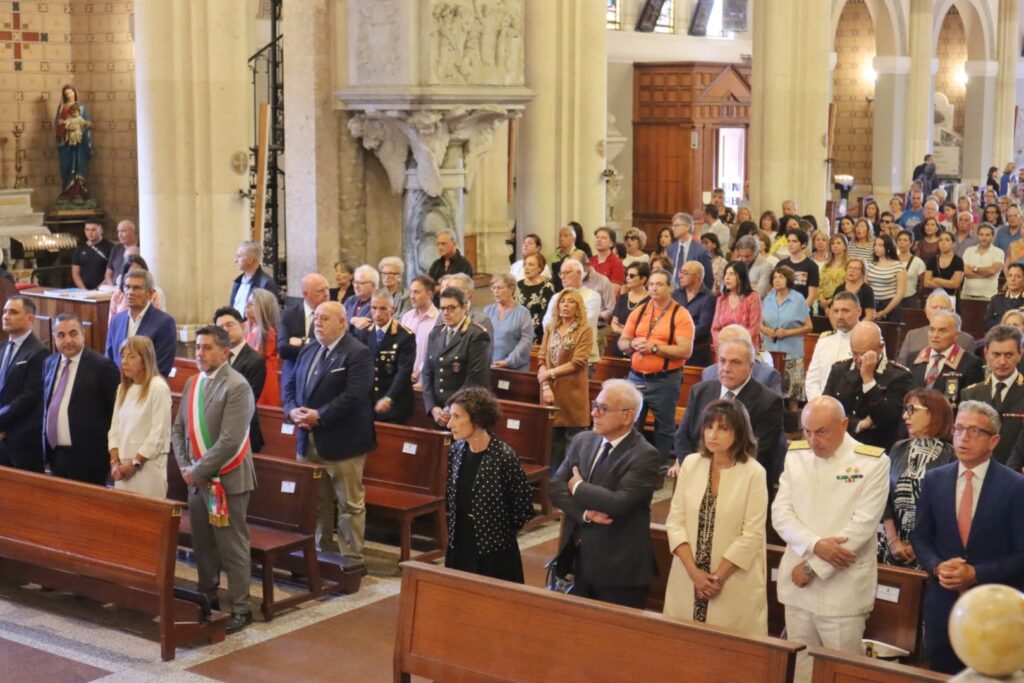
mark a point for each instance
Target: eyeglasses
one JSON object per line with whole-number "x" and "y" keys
{"x": 911, "y": 408}
{"x": 971, "y": 431}
{"x": 886, "y": 221}
{"x": 449, "y": 309}
{"x": 600, "y": 409}
{"x": 630, "y": 237}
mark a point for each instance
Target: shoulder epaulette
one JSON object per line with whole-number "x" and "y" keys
{"x": 825, "y": 334}
{"x": 480, "y": 327}
{"x": 406, "y": 328}
{"x": 896, "y": 364}
{"x": 799, "y": 446}
{"x": 977, "y": 384}
{"x": 873, "y": 451}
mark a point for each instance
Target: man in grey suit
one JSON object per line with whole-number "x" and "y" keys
{"x": 605, "y": 486}
{"x": 213, "y": 453}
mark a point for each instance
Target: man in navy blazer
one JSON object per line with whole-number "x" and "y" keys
{"x": 144, "y": 320}
{"x": 247, "y": 259}
{"x": 21, "y": 388}
{"x": 79, "y": 389}
{"x": 735, "y": 380}
{"x": 329, "y": 398}
{"x": 970, "y": 527}
{"x": 686, "y": 248}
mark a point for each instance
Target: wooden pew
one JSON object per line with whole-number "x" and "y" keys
{"x": 896, "y": 623}
{"x": 810, "y": 341}
{"x": 442, "y": 614}
{"x": 281, "y": 520}
{"x": 972, "y": 313}
{"x": 526, "y": 428}
{"x": 833, "y": 666}
{"x": 183, "y": 369}
{"x": 914, "y": 318}
{"x": 109, "y": 545}
{"x": 515, "y": 385}
{"x": 404, "y": 476}
{"x": 892, "y": 335}
{"x": 606, "y": 368}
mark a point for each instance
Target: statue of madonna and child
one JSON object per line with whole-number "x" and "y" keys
{"x": 72, "y": 125}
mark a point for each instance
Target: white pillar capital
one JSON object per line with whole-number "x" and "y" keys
{"x": 891, "y": 65}
{"x": 981, "y": 69}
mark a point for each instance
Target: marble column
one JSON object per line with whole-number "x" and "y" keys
{"x": 1007, "y": 83}
{"x": 560, "y": 152}
{"x": 311, "y": 133}
{"x": 190, "y": 61}
{"x": 978, "y": 120}
{"x": 789, "y": 106}
{"x": 427, "y": 214}
{"x": 488, "y": 212}
{"x": 917, "y": 136}
{"x": 889, "y": 118}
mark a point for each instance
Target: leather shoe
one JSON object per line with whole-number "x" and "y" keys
{"x": 237, "y": 622}
{"x": 215, "y": 604}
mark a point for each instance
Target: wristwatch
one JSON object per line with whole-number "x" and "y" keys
{"x": 654, "y": 349}
{"x": 137, "y": 464}
{"x": 809, "y": 570}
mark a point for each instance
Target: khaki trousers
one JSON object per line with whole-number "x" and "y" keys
{"x": 341, "y": 490}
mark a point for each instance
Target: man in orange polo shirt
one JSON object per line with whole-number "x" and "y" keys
{"x": 659, "y": 338}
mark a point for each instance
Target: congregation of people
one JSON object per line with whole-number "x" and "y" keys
{"x": 913, "y": 459}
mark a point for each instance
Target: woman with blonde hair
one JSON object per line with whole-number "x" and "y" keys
{"x": 140, "y": 428}
{"x": 833, "y": 272}
{"x": 562, "y": 374}
{"x": 635, "y": 240}
{"x": 261, "y": 312}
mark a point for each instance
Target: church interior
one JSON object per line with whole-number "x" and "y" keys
{"x": 335, "y": 133}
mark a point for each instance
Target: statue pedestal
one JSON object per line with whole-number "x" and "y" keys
{"x": 17, "y": 219}
{"x": 72, "y": 221}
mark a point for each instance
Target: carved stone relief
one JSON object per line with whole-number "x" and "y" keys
{"x": 476, "y": 42}
{"x": 378, "y": 41}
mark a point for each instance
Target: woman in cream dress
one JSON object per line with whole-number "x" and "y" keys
{"x": 140, "y": 429}
{"x": 716, "y": 528}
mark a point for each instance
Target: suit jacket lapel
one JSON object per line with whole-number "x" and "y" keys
{"x": 990, "y": 492}
{"x": 326, "y": 365}
{"x": 947, "y": 492}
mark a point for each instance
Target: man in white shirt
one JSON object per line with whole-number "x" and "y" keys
{"x": 572, "y": 278}
{"x": 982, "y": 265}
{"x": 831, "y": 496}
{"x": 832, "y": 347}
{"x": 713, "y": 225}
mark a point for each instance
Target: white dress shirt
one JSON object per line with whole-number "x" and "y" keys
{"x": 133, "y": 323}
{"x": 63, "y": 425}
{"x": 979, "y": 478}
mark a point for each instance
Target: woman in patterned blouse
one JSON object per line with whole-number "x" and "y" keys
{"x": 534, "y": 292}
{"x": 929, "y": 421}
{"x": 738, "y": 304}
{"x": 488, "y": 497}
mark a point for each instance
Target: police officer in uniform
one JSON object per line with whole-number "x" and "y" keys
{"x": 871, "y": 387}
{"x": 944, "y": 365}
{"x": 458, "y": 354}
{"x": 1003, "y": 390}
{"x": 831, "y": 495}
{"x": 394, "y": 351}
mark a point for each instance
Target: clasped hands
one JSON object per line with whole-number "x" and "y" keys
{"x": 706, "y": 585}
{"x": 305, "y": 418}
{"x": 123, "y": 471}
{"x": 955, "y": 574}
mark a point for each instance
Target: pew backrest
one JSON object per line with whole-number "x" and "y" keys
{"x": 833, "y": 666}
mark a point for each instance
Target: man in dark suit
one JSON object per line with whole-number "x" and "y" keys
{"x": 944, "y": 365}
{"x": 329, "y": 397}
{"x": 458, "y": 355}
{"x": 221, "y": 465}
{"x": 394, "y": 350}
{"x": 871, "y": 387}
{"x": 686, "y": 248}
{"x": 604, "y": 486}
{"x": 700, "y": 303}
{"x": 145, "y": 320}
{"x": 247, "y": 259}
{"x": 970, "y": 527}
{"x": 764, "y": 373}
{"x": 21, "y": 388}
{"x": 295, "y": 329}
{"x": 735, "y": 381}
{"x": 1003, "y": 390}
{"x": 246, "y": 360}
{"x": 80, "y": 387}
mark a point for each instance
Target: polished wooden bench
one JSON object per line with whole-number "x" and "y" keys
{"x": 456, "y": 626}
{"x": 105, "y": 544}
{"x": 607, "y": 367}
{"x": 281, "y": 520}
{"x": 182, "y": 369}
{"x": 515, "y": 385}
{"x": 527, "y": 429}
{"x": 833, "y": 666}
{"x": 404, "y": 477}
{"x": 895, "y": 618}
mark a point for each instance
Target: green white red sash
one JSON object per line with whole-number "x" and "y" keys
{"x": 199, "y": 435}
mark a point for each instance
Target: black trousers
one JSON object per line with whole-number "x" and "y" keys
{"x": 627, "y": 596}
{"x": 68, "y": 463}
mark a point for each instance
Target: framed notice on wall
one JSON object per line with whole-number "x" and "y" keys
{"x": 734, "y": 15}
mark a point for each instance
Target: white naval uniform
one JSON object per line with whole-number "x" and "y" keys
{"x": 843, "y": 495}
{"x": 831, "y": 348}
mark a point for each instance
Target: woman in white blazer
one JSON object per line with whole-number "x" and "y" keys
{"x": 716, "y": 527}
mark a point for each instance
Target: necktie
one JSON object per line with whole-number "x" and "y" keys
{"x": 314, "y": 367}
{"x": 964, "y": 514}
{"x": 448, "y": 336}
{"x": 933, "y": 369}
{"x": 309, "y": 327}
{"x": 58, "y": 395}
{"x": 729, "y": 396}
{"x": 231, "y": 358}
{"x": 8, "y": 354}
{"x": 997, "y": 400}
{"x": 602, "y": 456}
{"x": 380, "y": 336}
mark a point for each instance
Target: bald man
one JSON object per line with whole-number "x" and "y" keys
{"x": 329, "y": 398}
{"x": 295, "y": 328}
{"x": 831, "y": 495}
{"x": 871, "y": 386}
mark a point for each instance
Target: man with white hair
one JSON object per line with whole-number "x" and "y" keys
{"x": 917, "y": 338}
{"x": 685, "y": 248}
{"x": 449, "y": 260}
{"x": 247, "y": 260}
{"x": 571, "y": 273}
{"x": 365, "y": 281}
{"x": 944, "y": 365}
{"x": 391, "y": 270}
{"x": 831, "y": 495}
{"x": 604, "y": 486}
{"x": 758, "y": 269}
{"x": 763, "y": 372}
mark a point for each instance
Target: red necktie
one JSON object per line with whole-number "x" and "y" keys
{"x": 933, "y": 369}
{"x": 966, "y": 510}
